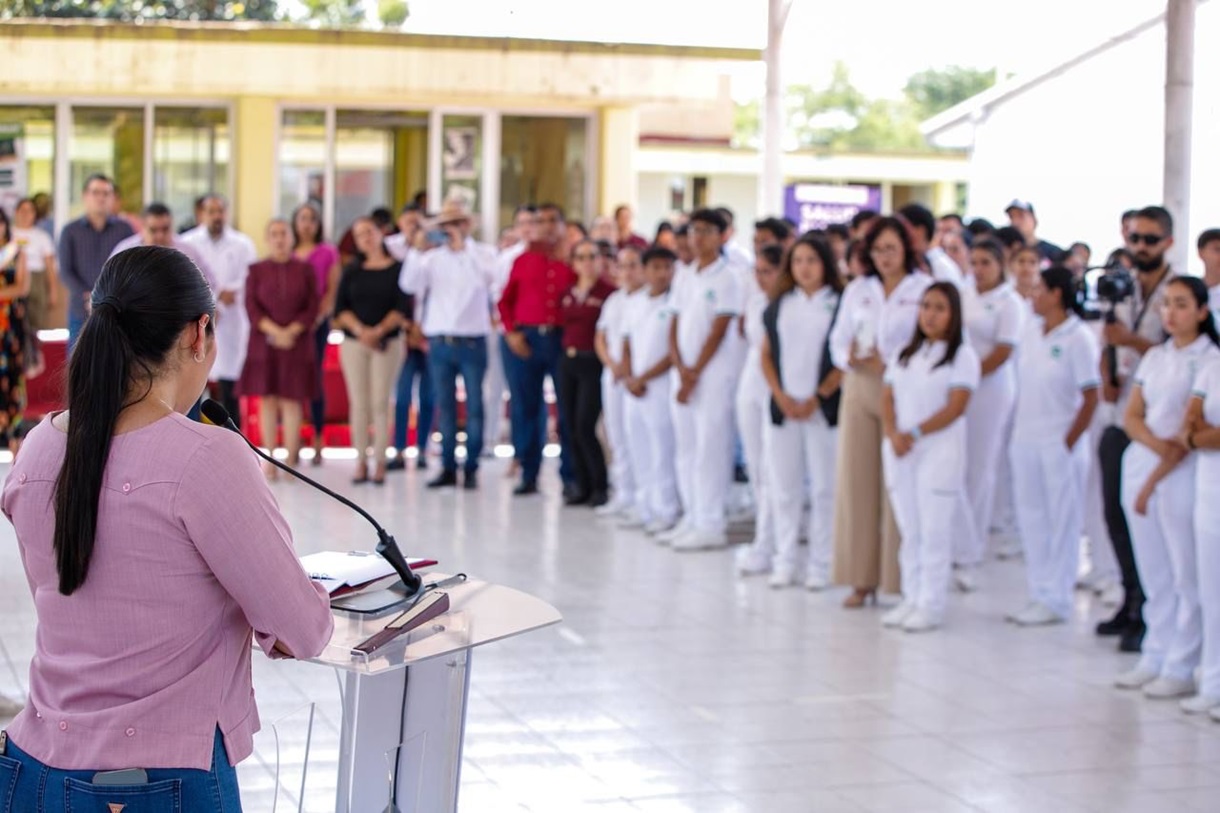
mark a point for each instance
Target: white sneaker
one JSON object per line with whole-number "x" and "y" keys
{"x": 1015, "y": 614}
{"x": 920, "y": 621}
{"x": 611, "y": 509}
{"x": 781, "y": 577}
{"x": 816, "y": 581}
{"x": 680, "y": 528}
{"x": 1037, "y": 615}
{"x": 658, "y": 527}
{"x": 1113, "y": 595}
{"x": 1167, "y": 688}
{"x": 700, "y": 540}
{"x": 632, "y": 522}
{"x": 1136, "y": 678}
{"x": 965, "y": 579}
{"x": 1009, "y": 548}
{"x": 896, "y": 616}
{"x": 751, "y": 561}
{"x": 1199, "y": 704}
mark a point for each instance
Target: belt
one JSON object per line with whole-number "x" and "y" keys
{"x": 541, "y": 330}
{"x": 455, "y": 339}
{"x": 573, "y": 353}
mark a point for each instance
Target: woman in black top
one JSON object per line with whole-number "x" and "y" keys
{"x": 372, "y": 312}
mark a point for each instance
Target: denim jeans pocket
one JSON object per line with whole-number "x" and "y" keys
{"x": 155, "y": 797}
{"x": 9, "y": 769}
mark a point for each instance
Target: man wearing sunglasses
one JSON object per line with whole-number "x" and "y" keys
{"x": 1137, "y": 328}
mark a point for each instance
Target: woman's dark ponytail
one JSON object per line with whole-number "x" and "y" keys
{"x": 142, "y": 301}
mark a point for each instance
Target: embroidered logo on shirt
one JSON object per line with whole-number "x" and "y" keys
{"x": 1056, "y": 351}
{"x": 710, "y": 296}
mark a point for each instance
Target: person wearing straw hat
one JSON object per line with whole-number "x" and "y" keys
{"x": 453, "y": 281}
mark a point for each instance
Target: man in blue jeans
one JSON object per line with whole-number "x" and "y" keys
{"x": 529, "y": 311}
{"x": 453, "y": 281}
{"x": 85, "y": 245}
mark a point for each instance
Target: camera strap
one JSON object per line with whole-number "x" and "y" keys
{"x": 1139, "y": 317}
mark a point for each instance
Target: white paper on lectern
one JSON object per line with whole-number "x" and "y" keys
{"x": 334, "y": 569}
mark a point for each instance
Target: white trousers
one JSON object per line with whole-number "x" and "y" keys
{"x": 614, "y": 401}
{"x": 987, "y": 419}
{"x": 1164, "y": 544}
{"x": 1003, "y": 506}
{"x": 704, "y": 435}
{"x": 753, "y": 413}
{"x": 650, "y": 443}
{"x": 1048, "y": 482}
{"x": 927, "y": 488}
{"x": 494, "y": 387}
{"x": 801, "y": 457}
{"x": 1207, "y": 553}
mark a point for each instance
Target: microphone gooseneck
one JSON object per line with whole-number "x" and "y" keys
{"x": 387, "y": 547}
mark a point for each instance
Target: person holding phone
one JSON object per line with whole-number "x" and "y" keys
{"x": 156, "y": 556}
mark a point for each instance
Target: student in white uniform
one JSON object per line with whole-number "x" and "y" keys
{"x": 1202, "y": 434}
{"x": 611, "y": 328}
{"x": 707, "y": 297}
{"x": 928, "y": 386}
{"x": 1058, "y": 378}
{"x": 754, "y": 411}
{"x": 876, "y": 319}
{"x": 993, "y": 327}
{"x": 801, "y": 435}
{"x": 648, "y": 423}
{"x": 1159, "y": 494}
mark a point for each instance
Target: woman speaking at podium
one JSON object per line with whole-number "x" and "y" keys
{"x": 154, "y": 552}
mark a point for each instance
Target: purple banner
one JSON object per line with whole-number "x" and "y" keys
{"x": 816, "y": 205}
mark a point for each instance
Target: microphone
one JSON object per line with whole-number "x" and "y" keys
{"x": 386, "y": 546}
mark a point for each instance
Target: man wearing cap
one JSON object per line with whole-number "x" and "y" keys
{"x": 529, "y": 311}
{"x": 1021, "y": 216}
{"x": 453, "y": 281}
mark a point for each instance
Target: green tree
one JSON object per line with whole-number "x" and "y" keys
{"x": 936, "y": 90}
{"x": 393, "y": 13}
{"x": 128, "y": 10}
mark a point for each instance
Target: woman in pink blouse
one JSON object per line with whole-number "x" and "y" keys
{"x": 163, "y": 555}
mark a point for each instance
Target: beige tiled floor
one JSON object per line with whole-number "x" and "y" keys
{"x": 672, "y": 686}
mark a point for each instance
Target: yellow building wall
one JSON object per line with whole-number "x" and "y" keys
{"x": 255, "y": 182}
{"x": 618, "y": 140}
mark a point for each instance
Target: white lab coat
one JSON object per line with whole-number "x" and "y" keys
{"x": 229, "y": 257}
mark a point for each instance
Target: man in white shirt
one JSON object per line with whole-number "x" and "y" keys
{"x": 706, "y": 298}
{"x": 229, "y": 254}
{"x": 454, "y": 284}
{"x": 921, "y": 226}
{"x": 400, "y": 242}
{"x": 157, "y": 229}
{"x": 738, "y": 254}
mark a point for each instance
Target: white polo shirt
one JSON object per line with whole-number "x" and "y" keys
{"x": 752, "y": 376}
{"x": 1207, "y": 389}
{"x": 802, "y": 326}
{"x": 944, "y": 269}
{"x": 648, "y": 332}
{"x": 874, "y": 322}
{"x": 923, "y": 385}
{"x": 1166, "y": 376}
{"x": 613, "y": 320}
{"x": 1053, "y": 371}
{"x": 455, "y": 288}
{"x": 994, "y": 319}
{"x": 37, "y": 245}
{"x": 697, "y": 300}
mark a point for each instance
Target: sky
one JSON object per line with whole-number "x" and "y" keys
{"x": 882, "y": 41}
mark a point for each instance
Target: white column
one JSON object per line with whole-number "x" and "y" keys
{"x": 770, "y": 182}
{"x": 1179, "y": 97}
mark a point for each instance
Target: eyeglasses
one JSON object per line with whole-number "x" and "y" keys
{"x": 1147, "y": 239}
{"x": 584, "y": 255}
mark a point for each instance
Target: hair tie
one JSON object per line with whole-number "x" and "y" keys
{"x": 111, "y": 301}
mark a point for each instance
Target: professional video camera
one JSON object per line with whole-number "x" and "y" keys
{"x": 1102, "y": 288}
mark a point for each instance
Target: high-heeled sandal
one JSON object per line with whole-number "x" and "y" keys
{"x": 859, "y": 598}
{"x": 362, "y": 476}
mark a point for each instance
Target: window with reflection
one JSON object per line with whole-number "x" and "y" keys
{"x": 302, "y": 151}
{"x": 109, "y": 140}
{"x": 190, "y": 158}
{"x": 543, "y": 160}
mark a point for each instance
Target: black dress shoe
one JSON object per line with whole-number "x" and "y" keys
{"x": 397, "y": 464}
{"x": 598, "y": 499}
{"x": 446, "y": 479}
{"x": 421, "y": 462}
{"x": 570, "y": 490}
{"x": 1133, "y": 638}
{"x": 576, "y": 498}
{"x": 525, "y": 489}
{"x": 1117, "y": 625}
{"x": 471, "y": 481}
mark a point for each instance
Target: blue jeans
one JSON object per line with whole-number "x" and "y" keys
{"x": 449, "y": 357}
{"x": 27, "y": 785}
{"x": 415, "y": 364}
{"x": 528, "y": 408}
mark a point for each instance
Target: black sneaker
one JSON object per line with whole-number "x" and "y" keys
{"x": 598, "y": 499}
{"x": 525, "y": 489}
{"x": 396, "y": 464}
{"x": 471, "y": 481}
{"x": 577, "y": 498}
{"x": 1133, "y": 638}
{"x": 1117, "y": 625}
{"x": 446, "y": 479}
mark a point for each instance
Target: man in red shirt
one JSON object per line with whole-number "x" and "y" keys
{"x": 529, "y": 311}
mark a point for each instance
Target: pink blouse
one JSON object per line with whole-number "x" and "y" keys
{"x": 322, "y": 259}
{"x": 192, "y": 559}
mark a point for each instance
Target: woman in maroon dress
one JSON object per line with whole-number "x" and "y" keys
{"x": 282, "y": 301}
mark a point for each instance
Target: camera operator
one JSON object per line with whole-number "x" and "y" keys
{"x": 1135, "y": 328}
